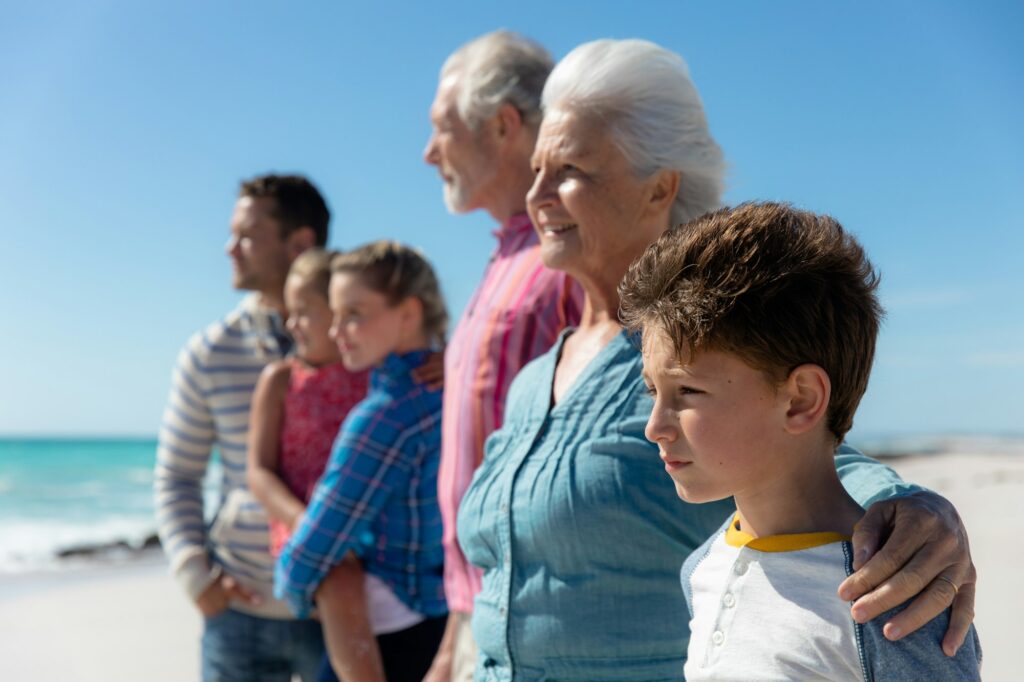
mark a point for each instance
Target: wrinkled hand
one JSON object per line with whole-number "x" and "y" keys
{"x": 924, "y": 555}
{"x": 431, "y": 372}
{"x": 216, "y": 598}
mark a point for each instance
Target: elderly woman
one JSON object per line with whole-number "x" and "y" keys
{"x": 571, "y": 516}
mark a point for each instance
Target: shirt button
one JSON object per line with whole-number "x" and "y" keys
{"x": 504, "y": 507}
{"x": 740, "y": 567}
{"x": 718, "y": 637}
{"x": 729, "y": 600}
{"x": 501, "y": 610}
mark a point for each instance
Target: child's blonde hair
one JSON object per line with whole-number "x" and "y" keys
{"x": 398, "y": 272}
{"x": 313, "y": 268}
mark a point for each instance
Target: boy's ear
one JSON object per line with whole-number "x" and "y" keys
{"x": 809, "y": 390}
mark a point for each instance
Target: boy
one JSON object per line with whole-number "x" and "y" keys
{"x": 759, "y": 328}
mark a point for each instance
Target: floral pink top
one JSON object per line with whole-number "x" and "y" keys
{"x": 317, "y": 402}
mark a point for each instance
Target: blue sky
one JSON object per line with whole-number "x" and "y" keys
{"x": 125, "y": 128}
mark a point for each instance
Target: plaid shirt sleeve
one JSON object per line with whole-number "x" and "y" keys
{"x": 366, "y": 467}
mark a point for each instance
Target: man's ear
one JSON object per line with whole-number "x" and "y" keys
{"x": 509, "y": 122}
{"x": 664, "y": 188}
{"x": 299, "y": 240}
{"x": 808, "y": 389}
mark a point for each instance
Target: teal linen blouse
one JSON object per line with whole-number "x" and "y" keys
{"x": 580, "y": 532}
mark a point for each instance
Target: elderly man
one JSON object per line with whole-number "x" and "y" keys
{"x": 227, "y": 570}
{"x": 485, "y": 118}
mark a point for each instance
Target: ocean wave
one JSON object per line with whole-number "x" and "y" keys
{"x": 29, "y": 545}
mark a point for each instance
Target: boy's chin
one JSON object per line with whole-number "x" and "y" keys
{"x": 697, "y": 495}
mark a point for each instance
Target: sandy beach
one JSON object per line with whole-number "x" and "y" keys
{"x": 131, "y": 622}
{"x": 98, "y": 624}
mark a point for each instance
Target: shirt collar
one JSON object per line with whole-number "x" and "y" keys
{"x": 267, "y": 322}
{"x": 517, "y": 224}
{"x": 794, "y": 542}
{"x": 396, "y": 367}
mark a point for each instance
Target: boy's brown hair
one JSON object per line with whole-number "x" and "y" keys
{"x": 777, "y": 286}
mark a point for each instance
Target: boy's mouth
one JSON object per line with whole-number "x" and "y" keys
{"x": 674, "y": 463}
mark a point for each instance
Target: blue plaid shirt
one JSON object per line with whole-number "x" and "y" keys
{"x": 377, "y": 497}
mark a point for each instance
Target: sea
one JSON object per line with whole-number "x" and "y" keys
{"x": 65, "y": 502}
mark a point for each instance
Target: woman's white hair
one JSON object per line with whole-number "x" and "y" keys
{"x": 495, "y": 69}
{"x": 644, "y": 93}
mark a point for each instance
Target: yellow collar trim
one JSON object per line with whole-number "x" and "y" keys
{"x": 779, "y": 543}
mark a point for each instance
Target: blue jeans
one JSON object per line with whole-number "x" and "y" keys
{"x": 243, "y": 648}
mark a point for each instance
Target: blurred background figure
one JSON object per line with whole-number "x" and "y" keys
{"x": 374, "y": 512}
{"x": 228, "y": 570}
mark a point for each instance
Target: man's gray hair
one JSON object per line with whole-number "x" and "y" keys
{"x": 495, "y": 69}
{"x": 644, "y": 93}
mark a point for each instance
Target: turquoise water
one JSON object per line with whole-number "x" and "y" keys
{"x": 56, "y": 494}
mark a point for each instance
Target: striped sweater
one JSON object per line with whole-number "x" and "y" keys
{"x": 208, "y": 407}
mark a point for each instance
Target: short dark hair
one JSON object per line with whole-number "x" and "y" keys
{"x": 777, "y": 286}
{"x": 298, "y": 203}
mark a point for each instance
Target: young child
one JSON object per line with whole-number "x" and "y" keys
{"x": 759, "y": 327}
{"x": 374, "y": 512}
{"x": 299, "y": 402}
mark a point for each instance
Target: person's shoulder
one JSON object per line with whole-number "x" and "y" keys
{"x": 418, "y": 407}
{"x": 704, "y": 549}
{"x": 531, "y": 378}
{"x": 224, "y": 331}
{"x": 919, "y": 654}
{"x": 234, "y": 326}
{"x": 276, "y": 375}
{"x": 695, "y": 559}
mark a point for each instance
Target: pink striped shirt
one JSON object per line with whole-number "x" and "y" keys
{"x": 515, "y": 315}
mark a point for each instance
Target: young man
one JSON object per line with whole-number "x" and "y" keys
{"x": 227, "y": 569}
{"x": 485, "y": 118}
{"x": 759, "y": 327}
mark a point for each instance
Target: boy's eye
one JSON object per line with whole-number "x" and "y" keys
{"x": 651, "y": 391}
{"x": 689, "y": 390}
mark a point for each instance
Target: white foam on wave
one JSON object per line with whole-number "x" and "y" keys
{"x": 27, "y": 545}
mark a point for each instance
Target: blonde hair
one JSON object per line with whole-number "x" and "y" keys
{"x": 313, "y": 268}
{"x": 399, "y": 272}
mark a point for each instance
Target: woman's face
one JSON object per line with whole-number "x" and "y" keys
{"x": 590, "y": 209}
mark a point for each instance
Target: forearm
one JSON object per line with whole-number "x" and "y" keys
{"x": 868, "y": 480}
{"x": 351, "y": 645}
{"x": 441, "y": 668}
{"x": 182, "y": 457}
{"x": 279, "y": 501}
{"x": 318, "y": 543}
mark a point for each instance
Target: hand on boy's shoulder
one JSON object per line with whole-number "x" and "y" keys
{"x": 925, "y": 560}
